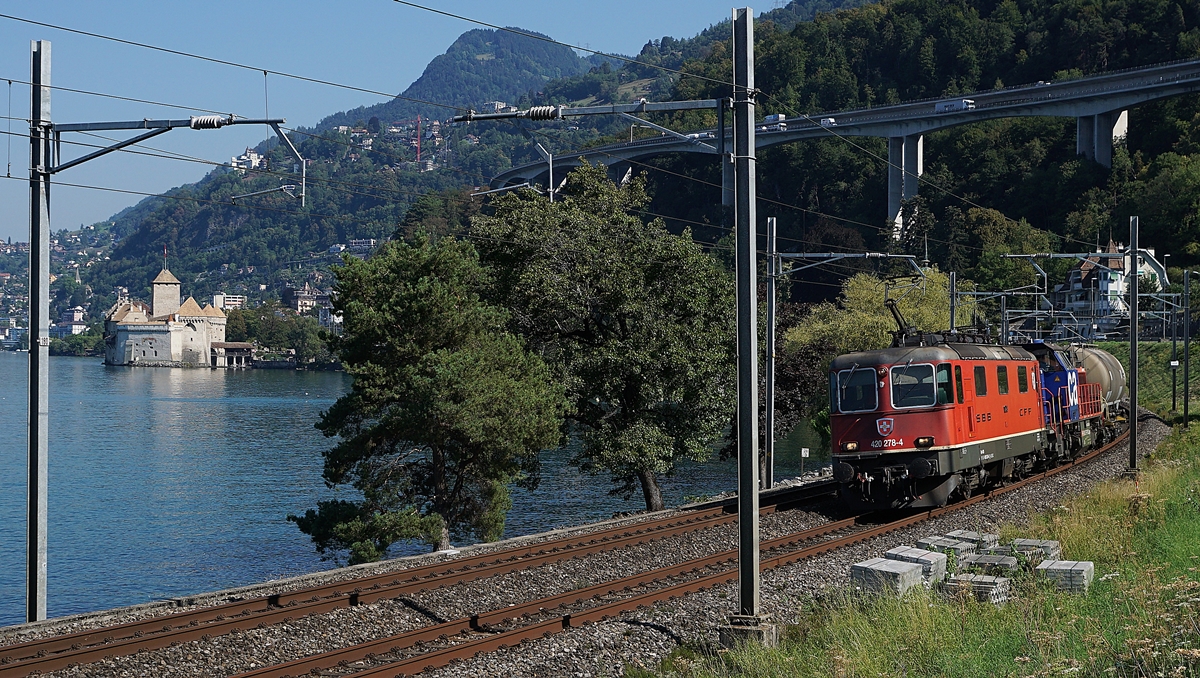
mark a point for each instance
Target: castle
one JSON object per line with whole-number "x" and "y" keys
{"x": 166, "y": 333}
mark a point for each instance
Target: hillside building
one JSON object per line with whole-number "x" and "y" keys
{"x": 166, "y": 333}
{"x": 1095, "y": 293}
{"x": 249, "y": 160}
{"x": 70, "y": 321}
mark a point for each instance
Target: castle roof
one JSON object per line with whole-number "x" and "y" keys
{"x": 213, "y": 312}
{"x": 121, "y": 311}
{"x": 165, "y": 278}
{"x": 190, "y": 308}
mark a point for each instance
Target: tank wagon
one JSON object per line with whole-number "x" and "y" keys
{"x": 940, "y": 416}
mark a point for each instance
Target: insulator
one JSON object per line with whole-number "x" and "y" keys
{"x": 207, "y": 121}
{"x": 543, "y": 113}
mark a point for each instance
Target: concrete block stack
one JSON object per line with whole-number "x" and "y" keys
{"x": 946, "y": 545}
{"x": 1028, "y": 556}
{"x": 984, "y": 588}
{"x": 884, "y": 575}
{"x": 933, "y": 563}
{"x": 1074, "y": 576}
{"x": 1052, "y": 549}
{"x": 989, "y": 564}
{"x": 981, "y": 540}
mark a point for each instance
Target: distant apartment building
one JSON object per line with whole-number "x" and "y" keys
{"x": 227, "y": 302}
{"x": 496, "y": 107}
{"x": 304, "y": 299}
{"x": 363, "y": 245}
{"x": 11, "y": 337}
{"x": 330, "y": 320}
{"x": 249, "y": 160}
{"x": 70, "y": 322}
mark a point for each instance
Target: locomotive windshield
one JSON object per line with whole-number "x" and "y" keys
{"x": 855, "y": 390}
{"x": 913, "y": 386}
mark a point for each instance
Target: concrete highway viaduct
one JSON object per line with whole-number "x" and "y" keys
{"x": 1099, "y": 104}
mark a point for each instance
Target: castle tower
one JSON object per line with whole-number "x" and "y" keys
{"x": 166, "y": 294}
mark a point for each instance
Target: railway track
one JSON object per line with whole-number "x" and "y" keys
{"x": 442, "y": 643}
{"x": 53, "y": 653}
{"x": 406, "y": 654}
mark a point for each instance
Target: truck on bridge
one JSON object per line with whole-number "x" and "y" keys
{"x": 954, "y": 106}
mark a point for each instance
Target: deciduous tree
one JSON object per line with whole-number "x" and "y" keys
{"x": 637, "y": 321}
{"x": 447, "y": 406}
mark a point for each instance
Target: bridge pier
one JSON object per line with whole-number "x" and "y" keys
{"x": 1095, "y": 134}
{"x": 906, "y": 163}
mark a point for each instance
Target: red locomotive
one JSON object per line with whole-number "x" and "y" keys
{"x": 942, "y": 415}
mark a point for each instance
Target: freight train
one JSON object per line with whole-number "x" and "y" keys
{"x": 938, "y": 417}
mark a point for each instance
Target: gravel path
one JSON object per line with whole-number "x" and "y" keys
{"x": 602, "y": 649}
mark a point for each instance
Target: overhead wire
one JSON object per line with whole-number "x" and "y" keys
{"x": 431, "y": 103}
{"x": 388, "y": 94}
{"x": 120, "y": 98}
{"x": 266, "y": 71}
{"x": 226, "y": 62}
{"x": 760, "y": 199}
{"x": 722, "y": 82}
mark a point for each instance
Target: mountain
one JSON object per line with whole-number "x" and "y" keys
{"x": 482, "y": 65}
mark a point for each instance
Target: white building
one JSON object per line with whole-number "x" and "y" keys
{"x": 330, "y": 320}
{"x": 228, "y": 302}
{"x": 70, "y": 322}
{"x": 164, "y": 334}
{"x": 249, "y": 160}
{"x": 1095, "y": 290}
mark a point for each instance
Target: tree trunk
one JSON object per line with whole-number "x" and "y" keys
{"x": 444, "y": 539}
{"x": 651, "y": 490}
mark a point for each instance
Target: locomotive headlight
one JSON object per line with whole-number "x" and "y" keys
{"x": 849, "y": 447}
{"x": 925, "y": 441}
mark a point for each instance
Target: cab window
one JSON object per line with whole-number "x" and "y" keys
{"x": 980, "y": 380}
{"x": 912, "y": 386}
{"x": 958, "y": 383}
{"x": 1002, "y": 379}
{"x": 1022, "y": 379}
{"x": 857, "y": 390}
{"x": 943, "y": 384}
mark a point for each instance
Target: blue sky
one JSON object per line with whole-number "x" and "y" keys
{"x": 374, "y": 44}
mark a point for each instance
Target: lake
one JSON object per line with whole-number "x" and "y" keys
{"x": 167, "y": 482}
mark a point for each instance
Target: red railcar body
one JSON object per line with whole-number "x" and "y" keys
{"x": 913, "y": 424}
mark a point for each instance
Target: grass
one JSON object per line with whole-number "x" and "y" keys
{"x": 1141, "y": 617}
{"x": 1154, "y": 375}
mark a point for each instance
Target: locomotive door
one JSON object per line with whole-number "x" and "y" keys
{"x": 964, "y": 415}
{"x": 968, "y": 400}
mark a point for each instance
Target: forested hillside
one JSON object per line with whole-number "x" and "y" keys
{"x": 989, "y": 188}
